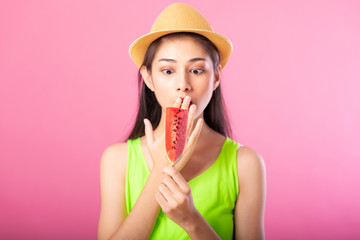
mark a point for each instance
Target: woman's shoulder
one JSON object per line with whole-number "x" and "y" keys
{"x": 116, "y": 150}
{"x": 250, "y": 163}
{"x": 246, "y": 154}
{"x": 114, "y": 157}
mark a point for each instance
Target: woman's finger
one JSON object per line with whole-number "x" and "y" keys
{"x": 190, "y": 122}
{"x": 193, "y": 138}
{"x": 168, "y": 195}
{"x": 162, "y": 201}
{"x": 178, "y": 179}
{"x": 149, "y": 133}
{"x": 195, "y": 134}
{"x": 177, "y": 103}
{"x": 189, "y": 147}
{"x": 169, "y": 182}
{"x": 186, "y": 102}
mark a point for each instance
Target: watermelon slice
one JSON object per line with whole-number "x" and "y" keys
{"x": 175, "y": 133}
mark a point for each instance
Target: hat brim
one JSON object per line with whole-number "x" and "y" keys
{"x": 139, "y": 47}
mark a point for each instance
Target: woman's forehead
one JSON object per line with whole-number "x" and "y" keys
{"x": 181, "y": 47}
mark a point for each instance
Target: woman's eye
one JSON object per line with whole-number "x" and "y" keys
{"x": 197, "y": 71}
{"x": 167, "y": 71}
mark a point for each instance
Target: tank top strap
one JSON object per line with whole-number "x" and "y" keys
{"x": 137, "y": 173}
{"x": 228, "y": 161}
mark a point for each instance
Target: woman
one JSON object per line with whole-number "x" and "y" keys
{"x": 217, "y": 189}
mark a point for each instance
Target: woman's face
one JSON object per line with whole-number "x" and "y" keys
{"x": 182, "y": 67}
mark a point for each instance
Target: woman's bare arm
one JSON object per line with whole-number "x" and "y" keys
{"x": 250, "y": 205}
{"x": 112, "y": 222}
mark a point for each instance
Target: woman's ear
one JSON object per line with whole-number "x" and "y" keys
{"x": 147, "y": 78}
{"x": 217, "y": 77}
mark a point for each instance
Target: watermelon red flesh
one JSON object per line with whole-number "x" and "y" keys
{"x": 175, "y": 133}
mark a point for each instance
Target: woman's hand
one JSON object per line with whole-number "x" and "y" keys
{"x": 156, "y": 147}
{"x": 175, "y": 199}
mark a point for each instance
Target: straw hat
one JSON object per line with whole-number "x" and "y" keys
{"x": 180, "y": 17}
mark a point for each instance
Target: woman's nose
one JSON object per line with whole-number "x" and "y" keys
{"x": 183, "y": 82}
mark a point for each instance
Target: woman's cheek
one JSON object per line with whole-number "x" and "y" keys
{"x": 204, "y": 97}
{"x": 162, "y": 94}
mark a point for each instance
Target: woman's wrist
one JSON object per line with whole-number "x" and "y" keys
{"x": 198, "y": 228}
{"x": 192, "y": 224}
{"x": 158, "y": 167}
{"x": 159, "y": 164}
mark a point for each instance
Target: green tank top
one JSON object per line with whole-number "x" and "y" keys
{"x": 214, "y": 191}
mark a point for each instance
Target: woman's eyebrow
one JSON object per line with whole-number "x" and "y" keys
{"x": 173, "y": 60}
{"x": 167, "y": 60}
{"x": 197, "y": 59}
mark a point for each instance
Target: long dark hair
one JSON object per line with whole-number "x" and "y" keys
{"x": 215, "y": 115}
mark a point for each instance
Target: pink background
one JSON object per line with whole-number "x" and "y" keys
{"x": 68, "y": 90}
